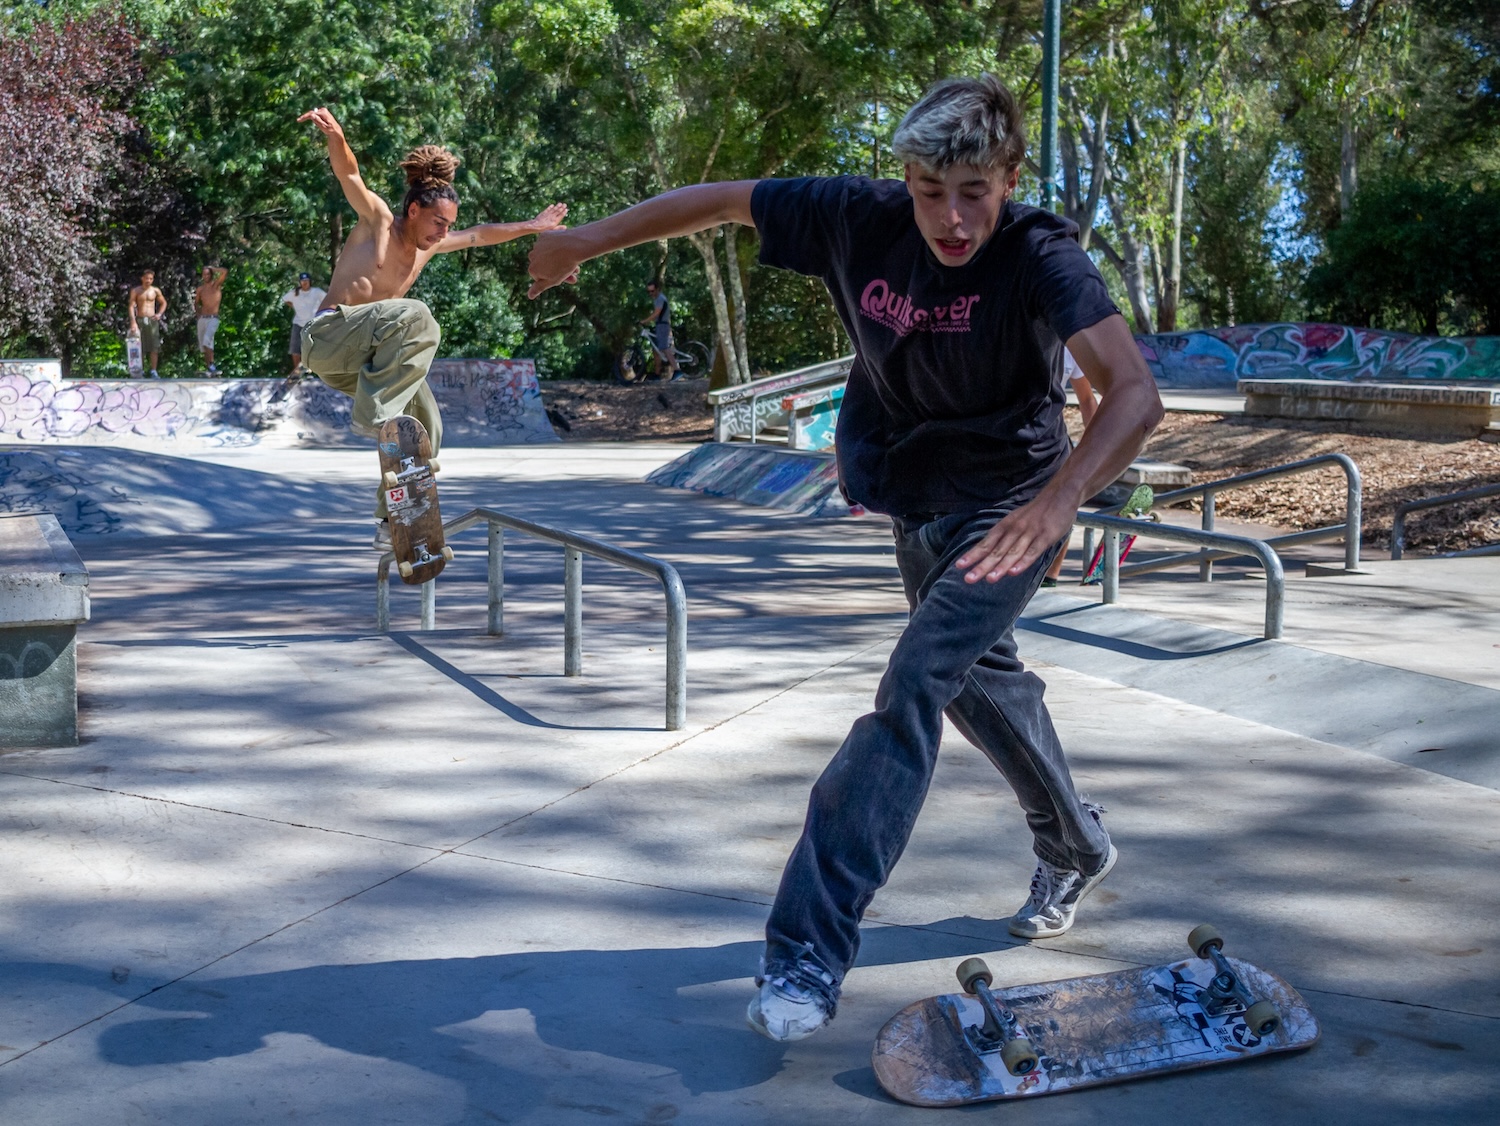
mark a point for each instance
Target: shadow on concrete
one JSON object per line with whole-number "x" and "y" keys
{"x": 487, "y": 1022}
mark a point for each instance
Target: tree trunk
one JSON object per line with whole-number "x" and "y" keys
{"x": 335, "y": 238}
{"x": 1166, "y": 311}
{"x": 1132, "y": 270}
{"x": 737, "y": 295}
{"x": 703, "y": 242}
{"x": 1348, "y": 160}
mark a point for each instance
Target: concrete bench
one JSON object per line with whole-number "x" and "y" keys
{"x": 1465, "y": 410}
{"x": 44, "y": 595}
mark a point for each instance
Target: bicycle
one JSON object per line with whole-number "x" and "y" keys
{"x": 636, "y": 363}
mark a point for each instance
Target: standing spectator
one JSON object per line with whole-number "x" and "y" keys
{"x": 206, "y": 300}
{"x": 660, "y": 320}
{"x": 304, "y": 301}
{"x": 148, "y": 311}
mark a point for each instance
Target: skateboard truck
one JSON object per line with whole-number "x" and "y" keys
{"x": 408, "y": 470}
{"x": 1227, "y": 991}
{"x": 1000, "y": 1031}
{"x": 423, "y": 557}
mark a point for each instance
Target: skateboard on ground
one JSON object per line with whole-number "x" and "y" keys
{"x": 1138, "y": 507}
{"x": 1026, "y": 1040}
{"x": 407, "y": 476}
{"x": 133, "y": 362}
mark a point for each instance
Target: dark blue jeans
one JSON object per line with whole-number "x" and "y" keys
{"x": 957, "y": 655}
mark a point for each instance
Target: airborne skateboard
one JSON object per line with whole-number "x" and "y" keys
{"x": 1138, "y": 507}
{"x": 1029, "y": 1040}
{"x": 407, "y": 477}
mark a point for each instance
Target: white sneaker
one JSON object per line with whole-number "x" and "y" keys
{"x": 382, "y": 535}
{"x": 1055, "y": 895}
{"x": 784, "y": 1011}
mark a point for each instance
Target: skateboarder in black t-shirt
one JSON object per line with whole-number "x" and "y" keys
{"x": 959, "y": 302}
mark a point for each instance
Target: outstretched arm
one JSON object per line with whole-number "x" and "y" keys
{"x": 557, "y": 255}
{"x": 366, "y": 204}
{"x": 493, "y": 234}
{"x": 1128, "y": 411}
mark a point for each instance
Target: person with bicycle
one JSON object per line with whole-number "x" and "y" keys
{"x": 660, "y": 322}
{"x": 959, "y": 300}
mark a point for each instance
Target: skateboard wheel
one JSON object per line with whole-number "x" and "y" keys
{"x": 405, "y": 568}
{"x": 1018, "y": 1056}
{"x": 447, "y": 553}
{"x": 1263, "y": 1018}
{"x": 433, "y": 466}
{"x": 971, "y": 970}
{"x": 390, "y": 479}
{"x": 1203, "y": 938}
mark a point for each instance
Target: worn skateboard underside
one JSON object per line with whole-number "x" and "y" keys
{"x": 1087, "y": 1031}
{"x": 412, "y": 504}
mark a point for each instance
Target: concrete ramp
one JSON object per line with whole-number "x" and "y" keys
{"x": 765, "y": 475}
{"x": 484, "y": 403}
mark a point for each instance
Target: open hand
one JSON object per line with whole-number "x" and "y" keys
{"x": 1018, "y": 540}
{"x": 324, "y": 121}
{"x": 550, "y": 219}
{"x": 553, "y": 261}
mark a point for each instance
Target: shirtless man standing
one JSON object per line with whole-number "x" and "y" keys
{"x": 207, "y": 298}
{"x": 366, "y": 339}
{"x": 148, "y": 308}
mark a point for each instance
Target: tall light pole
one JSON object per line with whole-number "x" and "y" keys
{"x": 1051, "y": 49}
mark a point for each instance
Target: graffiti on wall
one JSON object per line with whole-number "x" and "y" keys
{"x": 1220, "y": 357}
{"x": 484, "y": 402}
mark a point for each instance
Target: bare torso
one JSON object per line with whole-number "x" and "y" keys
{"x": 145, "y": 300}
{"x": 208, "y": 296}
{"x": 376, "y": 264}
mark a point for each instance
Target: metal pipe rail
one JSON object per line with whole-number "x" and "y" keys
{"x": 575, "y": 547}
{"x": 1398, "y": 524}
{"x": 1225, "y": 546}
{"x": 1349, "y": 531}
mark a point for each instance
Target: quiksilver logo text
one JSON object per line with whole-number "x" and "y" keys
{"x": 897, "y": 311}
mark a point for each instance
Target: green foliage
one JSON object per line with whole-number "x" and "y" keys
{"x": 600, "y": 103}
{"x": 1415, "y": 256}
{"x": 471, "y": 306}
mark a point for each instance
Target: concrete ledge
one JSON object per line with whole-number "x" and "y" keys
{"x": 1445, "y": 409}
{"x": 43, "y": 598}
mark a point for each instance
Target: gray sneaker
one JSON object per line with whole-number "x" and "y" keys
{"x": 382, "y": 535}
{"x": 1055, "y": 895}
{"x": 785, "y": 1011}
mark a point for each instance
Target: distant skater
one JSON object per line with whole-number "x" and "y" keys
{"x": 366, "y": 338}
{"x": 958, "y": 300}
{"x": 148, "y": 311}
{"x": 207, "y": 299}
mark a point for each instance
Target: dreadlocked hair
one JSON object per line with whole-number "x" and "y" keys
{"x": 429, "y": 177}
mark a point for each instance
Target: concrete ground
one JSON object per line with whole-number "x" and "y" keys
{"x": 301, "y": 871}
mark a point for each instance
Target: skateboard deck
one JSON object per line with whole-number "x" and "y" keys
{"x": 133, "y": 362}
{"x": 407, "y": 475}
{"x": 1087, "y": 1031}
{"x": 1138, "y": 507}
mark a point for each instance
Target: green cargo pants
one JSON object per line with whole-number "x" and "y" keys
{"x": 379, "y": 354}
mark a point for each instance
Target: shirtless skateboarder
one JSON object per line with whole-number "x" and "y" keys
{"x": 367, "y": 339}
{"x": 207, "y": 298}
{"x": 959, "y": 300}
{"x": 148, "y": 309}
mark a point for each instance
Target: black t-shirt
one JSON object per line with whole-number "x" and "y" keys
{"x": 955, "y": 399}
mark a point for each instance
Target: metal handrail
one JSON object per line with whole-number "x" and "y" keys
{"x": 1398, "y": 522}
{"x": 771, "y": 386}
{"x": 1226, "y": 547}
{"x": 575, "y": 547}
{"x": 1349, "y": 531}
